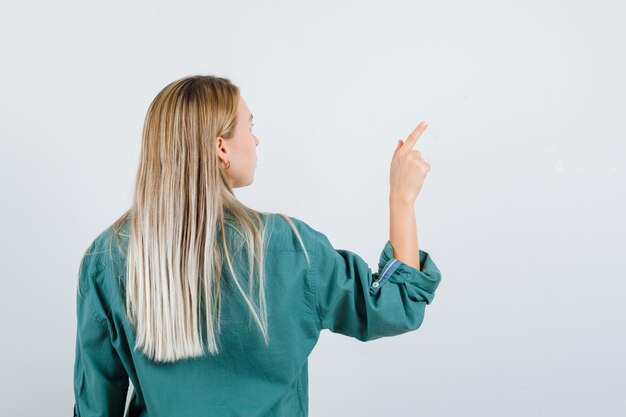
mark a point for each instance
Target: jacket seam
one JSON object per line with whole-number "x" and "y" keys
{"x": 300, "y": 395}
{"x": 320, "y": 318}
{"x": 86, "y": 289}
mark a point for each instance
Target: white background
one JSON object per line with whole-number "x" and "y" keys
{"x": 522, "y": 211}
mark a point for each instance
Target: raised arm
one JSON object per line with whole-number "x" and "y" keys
{"x": 407, "y": 173}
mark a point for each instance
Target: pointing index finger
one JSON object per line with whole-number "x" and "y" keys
{"x": 415, "y": 134}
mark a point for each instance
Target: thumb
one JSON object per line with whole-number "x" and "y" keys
{"x": 400, "y": 143}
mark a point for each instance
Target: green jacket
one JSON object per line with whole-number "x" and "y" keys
{"x": 336, "y": 291}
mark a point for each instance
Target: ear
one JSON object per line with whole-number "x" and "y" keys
{"x": 220, "y": 148}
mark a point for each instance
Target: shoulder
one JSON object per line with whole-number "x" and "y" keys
{"x": 111, "y": 243}
{"x": 106, "y": 249}
{"x": 289, "y": 233}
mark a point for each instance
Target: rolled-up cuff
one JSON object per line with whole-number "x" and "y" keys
{"x": 393, "y": 270}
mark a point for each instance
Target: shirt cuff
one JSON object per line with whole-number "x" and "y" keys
{"x": 390, "y": 268}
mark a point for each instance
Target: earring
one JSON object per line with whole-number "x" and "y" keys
{"x": 228, "y": 166}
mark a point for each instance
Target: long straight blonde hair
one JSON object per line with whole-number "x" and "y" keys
{"x": 177, "y": 229}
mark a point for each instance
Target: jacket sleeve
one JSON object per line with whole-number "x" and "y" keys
{"x": 100, "y": 379}
{"x": 353, "y": 301}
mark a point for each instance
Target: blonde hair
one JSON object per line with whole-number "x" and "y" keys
{"x": 177, "y": 241}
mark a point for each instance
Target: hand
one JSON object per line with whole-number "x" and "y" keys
{"x": 408, "y": 169}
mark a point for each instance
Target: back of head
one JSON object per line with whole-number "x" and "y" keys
{"x": 182, "y": 210}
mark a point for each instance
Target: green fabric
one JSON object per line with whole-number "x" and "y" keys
{"x": 336, "y": 291}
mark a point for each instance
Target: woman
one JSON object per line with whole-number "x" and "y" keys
{"x": 211, "y": 308}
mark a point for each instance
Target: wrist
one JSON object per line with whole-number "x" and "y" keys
{"x": 396, "y": 201}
